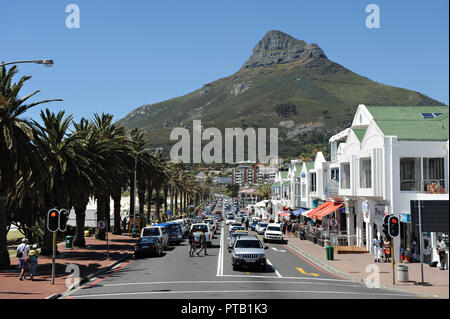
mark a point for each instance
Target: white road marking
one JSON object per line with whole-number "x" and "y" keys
{"x": 281, "y": 250}
{"x": 241, "y": 291}
{"x": 276, "y": 271}
{"x": 220, "y": 255}
{"x": 227, "y": 281}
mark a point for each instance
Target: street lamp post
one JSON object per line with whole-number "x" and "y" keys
{"x": 135, "y": 177}
{"x": 47, "y": 62}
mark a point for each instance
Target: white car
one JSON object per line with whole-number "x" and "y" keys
{"x": 196, "y": 229}
{"x": 158, "y": 232}
{"x": 230, "y": 219}
{"x": 211, "y": 223}
{"x": 234, "y": 225}
{"x": 273, "y": 233}
{"x": 261, "y": 227}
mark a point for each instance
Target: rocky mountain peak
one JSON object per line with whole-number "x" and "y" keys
{"x": 277, "y": 47}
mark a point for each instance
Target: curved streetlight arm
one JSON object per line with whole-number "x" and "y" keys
{"x": 47, "y": 63}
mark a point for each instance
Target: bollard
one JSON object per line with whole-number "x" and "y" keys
{"x": 402, "y": 273}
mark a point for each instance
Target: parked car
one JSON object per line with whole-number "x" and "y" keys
{"x": 261, "y": 227}
{"x": 148, "y": 246}
{"x": 196, "y": 229}
{"x": 237, "y": 234}
{"x": 273, "y": 233}
{"x": 248, "y": 251}
{"x": 159, "y": 232}
{"x": 230, "y": 219}
{"x": 175, "y": 233}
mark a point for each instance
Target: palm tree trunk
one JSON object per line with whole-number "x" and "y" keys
{"x": 141, "y": 198}
{"x": 149, "y": 201}
{"x": 108, "y": 212}
{"x": 5, "y": 262}
{"x": 158, "y": 203}
{"x": 171, "y": 199}
{"x": 165, "y": 203}
{"x": 80, "y": 215}
{"x": 117, "y": 196}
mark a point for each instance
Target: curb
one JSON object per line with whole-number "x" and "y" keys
{"x": 358, "y": 279}
{"x": 89, "y": 277}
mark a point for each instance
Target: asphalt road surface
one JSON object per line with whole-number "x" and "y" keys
{"x": 175, "y": 275}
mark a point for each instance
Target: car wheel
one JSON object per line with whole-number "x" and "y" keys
{"x": 137, "y": 256}
{"x": 235, "y": 267}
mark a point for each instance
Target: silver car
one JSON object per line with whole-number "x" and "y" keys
{"x": 249, "y": 251}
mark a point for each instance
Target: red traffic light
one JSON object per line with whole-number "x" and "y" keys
{"x": 394, "y": 220}
{"x": 52, "y": 214}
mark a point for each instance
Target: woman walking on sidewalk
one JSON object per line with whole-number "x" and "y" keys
{"x": 33, "y": 262}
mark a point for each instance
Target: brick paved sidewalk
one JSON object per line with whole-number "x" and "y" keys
{"x": 354, "y": 267}
{"x": 90, "y": 260}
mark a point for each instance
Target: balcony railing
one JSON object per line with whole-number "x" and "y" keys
{"x": 431, "y": 186}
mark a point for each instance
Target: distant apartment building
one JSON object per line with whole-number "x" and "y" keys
{"x": 259, "y": 174}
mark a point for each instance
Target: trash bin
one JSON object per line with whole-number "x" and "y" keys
{"x": 69, "y": 242}
{"x": 329, "y": 252}
{"x": 87, "y": 233}
{"x": 402, "y": 273}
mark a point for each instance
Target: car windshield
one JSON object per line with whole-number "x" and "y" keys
{"x": 263, "y": 225}
{"x": 248, "y": 244}
{"x": 151, "y": 232}
{"x": 174, "y": 227}
{"x": 148, "y": 240}
{"x": 210, "y": 221}
{"x": 274, "y": 228}
{"x": 203, "y": 228}
{"x": 236, "y": 224}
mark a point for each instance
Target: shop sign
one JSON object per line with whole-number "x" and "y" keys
{"x": 365, "y": 211}
{"x": 405, "y": 217}
{"x": 380, "y": 212}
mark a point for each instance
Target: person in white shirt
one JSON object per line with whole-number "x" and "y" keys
{"x": 22, "y": 253}
{"x": 441, "y": 252}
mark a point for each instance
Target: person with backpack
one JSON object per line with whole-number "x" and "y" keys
{"x": 192, "y": 244}
{"x": 22, "y": 253}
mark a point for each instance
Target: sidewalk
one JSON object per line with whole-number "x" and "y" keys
{"x": 353, "y": 266}
{"x": 90, "y": 260}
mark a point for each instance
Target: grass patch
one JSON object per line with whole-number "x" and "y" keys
{"x": 14, "y": 235}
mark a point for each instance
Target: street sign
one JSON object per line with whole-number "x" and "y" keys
{"x": 101, "y": 224}
{"x": 334, "y": 222}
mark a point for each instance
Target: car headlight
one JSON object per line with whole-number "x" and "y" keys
{"x": 238, "y": 255}
{"x": 261, "y": 255}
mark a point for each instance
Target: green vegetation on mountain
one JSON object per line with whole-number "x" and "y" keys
{"x": 286, "y": 84}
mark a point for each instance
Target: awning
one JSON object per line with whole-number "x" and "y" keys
{"x": 283, "y": 214}
{"x": 299, "y": 211}
{"x": 328, "y": 210}
{"x": 314, "y": 211}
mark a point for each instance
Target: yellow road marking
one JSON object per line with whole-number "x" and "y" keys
{"x": 305, "y": 273}
{"x": 247, "y": 273}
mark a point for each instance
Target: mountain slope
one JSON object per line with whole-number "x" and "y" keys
{"x": 286, "y": 83}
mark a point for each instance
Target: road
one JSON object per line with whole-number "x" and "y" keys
{"x": 175, "y": 275}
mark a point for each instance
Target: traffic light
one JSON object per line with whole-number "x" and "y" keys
{"x": 63, "y": 218}
{"x": 385, "y": 225}
{"x": 393, "y": 226}
{"x": 53, "y": 220}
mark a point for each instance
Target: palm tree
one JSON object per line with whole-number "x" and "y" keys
{"x": 16, "y": 136}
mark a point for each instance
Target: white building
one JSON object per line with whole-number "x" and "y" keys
{"x": 392, "y": 155}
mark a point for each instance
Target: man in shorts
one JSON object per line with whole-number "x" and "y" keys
{"x": 22, "y": 253}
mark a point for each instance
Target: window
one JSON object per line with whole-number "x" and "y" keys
{"x": 345, "y": 178}
{"x": 410, "y": 174}
{"x": 433, "y": 175}
{"x": 303, "y": 190}
{"x": 365, "y": 180}
{"x": 313, "y": 182}
{"x": 335, "y": 174}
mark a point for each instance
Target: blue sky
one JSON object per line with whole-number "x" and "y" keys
{"x": 130, "y": 53}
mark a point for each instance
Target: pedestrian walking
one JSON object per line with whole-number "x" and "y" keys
{"x": 387, "y": 250}
{"x": 441, "y": 252}
{"x": 33, "y": 261}
{"x": 246, "y": 224}
{"x": 22, "y": 253}
{"x": 192, "y": 244}
{"x": 376, "y": 242}
{"x": 202, "y": 243}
